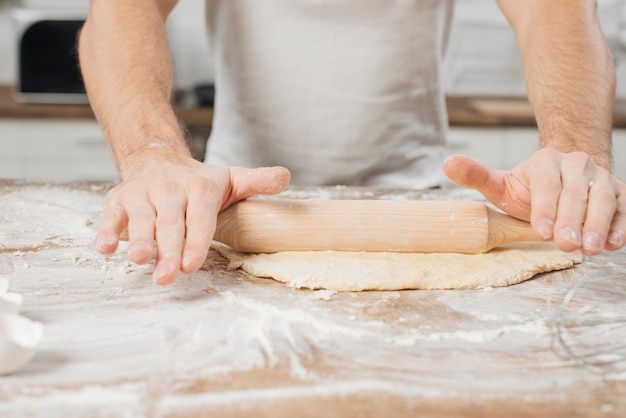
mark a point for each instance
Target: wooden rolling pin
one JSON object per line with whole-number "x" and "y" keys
{"x": 267, "y": 226}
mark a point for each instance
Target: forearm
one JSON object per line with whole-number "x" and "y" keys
{"x": 570, "y": 74}
{"x": 126, "y": 65}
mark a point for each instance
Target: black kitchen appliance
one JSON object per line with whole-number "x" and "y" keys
{"x": 48, "y": 70}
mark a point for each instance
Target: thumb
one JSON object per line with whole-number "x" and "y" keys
{"x": 470, "y": 173}
{"x": 246, "y": 182}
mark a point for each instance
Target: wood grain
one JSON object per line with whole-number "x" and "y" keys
{"x": 221, "y": 343}
{"x": 267, "y": 226}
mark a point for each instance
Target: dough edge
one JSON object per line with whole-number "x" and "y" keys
{"x": 360, "y": 271}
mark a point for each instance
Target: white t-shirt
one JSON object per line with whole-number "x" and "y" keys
{"x": 338, "y": 91}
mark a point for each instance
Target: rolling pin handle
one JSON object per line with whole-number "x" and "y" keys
{"x": 504, "y": 229}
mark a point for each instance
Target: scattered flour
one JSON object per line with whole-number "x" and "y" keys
{"x": 117, "y": 345}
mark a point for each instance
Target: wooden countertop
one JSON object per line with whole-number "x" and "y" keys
{"x": 221, "y": 343}
{"x": 469, "y": 111}
{"x": 10, "y": 108}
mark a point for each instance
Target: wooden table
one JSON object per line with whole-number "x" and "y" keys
{"x": 221, "y": 343}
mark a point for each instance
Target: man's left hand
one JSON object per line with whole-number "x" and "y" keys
{"x": 565, "y": 196}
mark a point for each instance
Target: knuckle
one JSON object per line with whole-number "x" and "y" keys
{"x": 169, "y": 187}
{"x": 575, "y": 194}
{"x": 201, "y": 185}
{"x": 170, "y": 222}
{"x": 142, "y": 215}
{"x": 578, "y": 162}
{"x": 606, "y": 194}
{"x": 114, "y": 207}
{"x": 112, "y": 197}
{"x": 581, "y": 158}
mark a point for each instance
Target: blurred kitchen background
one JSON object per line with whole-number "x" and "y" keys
{"x": 60, "y": 140}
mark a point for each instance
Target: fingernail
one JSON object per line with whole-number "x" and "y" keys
{"x": 569, "y": 234}
{"x": 545, "y": 228}
{"x": 615, "y": 238}
{"x": 188, "y": 257}
{"x": 161, "y": 270}
{"x": 103, "y": 241}
{"x": 592, "y": 242}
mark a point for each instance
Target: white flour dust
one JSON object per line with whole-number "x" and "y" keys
{"x": 117, "y": 344}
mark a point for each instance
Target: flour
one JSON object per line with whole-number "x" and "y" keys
{"x": 323, "y": 294}
{"x": 117, "y": 345}
{"x": 535, "y": 329}
{"x": 32, "y": 209}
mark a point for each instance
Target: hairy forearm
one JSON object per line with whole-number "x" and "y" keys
{"x": 570, "y": 74}
{"x": 127, "y": 69}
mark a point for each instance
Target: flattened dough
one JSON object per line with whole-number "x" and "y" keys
{"x": 350, "y": 271}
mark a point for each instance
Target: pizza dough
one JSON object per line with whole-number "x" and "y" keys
{"x": 352, "y": 271}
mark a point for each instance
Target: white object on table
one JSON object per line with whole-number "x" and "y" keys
{"x": 19, "y": 339}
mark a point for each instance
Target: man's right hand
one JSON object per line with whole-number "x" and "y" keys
{"x": 174, "y": 206}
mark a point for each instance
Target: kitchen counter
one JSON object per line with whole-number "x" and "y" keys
{"x": 12, "y": 109}
{"x": 223, "y": 343}
{"x": 462, "y": 111}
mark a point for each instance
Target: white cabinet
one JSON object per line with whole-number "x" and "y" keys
{"x": 505, "y": 147}
{"x": 501, "y": 148}
{"x": 68, "y": 149}
{"x": 54, "y": 150}
{"x": 484, "y": 145}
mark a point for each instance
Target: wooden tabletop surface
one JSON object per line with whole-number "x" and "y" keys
{"x": 222, "y": 343}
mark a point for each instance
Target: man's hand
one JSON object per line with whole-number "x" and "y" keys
{"x": 565, "y": 196}
{"x": 174, "y": 206}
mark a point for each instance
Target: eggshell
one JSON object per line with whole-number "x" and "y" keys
{"x": 10, "y": 302}
{"x": 19, "y": 339}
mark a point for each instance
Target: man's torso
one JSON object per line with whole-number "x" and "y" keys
{"x": 338, "y": 91}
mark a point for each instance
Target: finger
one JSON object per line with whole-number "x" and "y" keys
{"x": 544, "y": 180}
{"x": 112, "y": 224}
{"x": 141, "y": 233}
{"x": 465, "y": 171}
{"x": 202, "y": 209}
{"x": 246, "y": 182}
{"x": 169, "y": 243}
{"x": 169, "y": 232}
{"x": 573, "y": 201}
{"x": 617, "y": 233}
{"x": 473, "y": 174}
{"x": 601, "y": 208}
